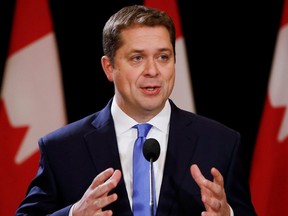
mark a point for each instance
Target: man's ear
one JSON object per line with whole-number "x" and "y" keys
{"x": 107, "y": 67}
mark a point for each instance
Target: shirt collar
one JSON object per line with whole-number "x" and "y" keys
{"x": 123, "y": 122}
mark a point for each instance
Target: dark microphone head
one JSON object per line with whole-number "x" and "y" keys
{"x": 151, "y": 149}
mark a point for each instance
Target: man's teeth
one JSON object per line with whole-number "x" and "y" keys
{"x": 150, "y": 88}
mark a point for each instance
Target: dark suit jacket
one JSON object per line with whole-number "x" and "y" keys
{"x": 72, "y": 156}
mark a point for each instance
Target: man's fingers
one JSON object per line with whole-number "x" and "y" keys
{"x": 211, "y": 202}
{"x": 97, "y": 195}
{"x": 102, "y": 177}
{"x": 108, "y": 184}
{"x": 212, "y": 192}
{"x": 115, "y": 178}
{"x": 197, "y": 175}
{"x": 202, "y": 181}
{"x": 104, "y": 201}
{"x": 218, "y": 178}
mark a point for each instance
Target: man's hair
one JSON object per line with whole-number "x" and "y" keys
{"x": 129, "y": 17}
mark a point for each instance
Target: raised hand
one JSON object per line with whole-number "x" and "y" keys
{"x": 96, "y": 196}
{"x": 212, "y": 193}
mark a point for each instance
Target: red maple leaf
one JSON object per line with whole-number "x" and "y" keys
{"x": 15, "y": 178}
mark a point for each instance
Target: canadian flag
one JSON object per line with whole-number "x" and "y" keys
{"x": 269, "y": 170}
{"x": 182, "y": 93}
{"x": 31, "y": 102}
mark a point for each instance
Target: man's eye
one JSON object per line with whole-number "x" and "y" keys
{"x": 137, "y": 58}
{"x": 164, "y": 57}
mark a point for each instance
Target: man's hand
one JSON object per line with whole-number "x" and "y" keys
{"x": 96, "y": 196}
{"x": 212, "y": 193}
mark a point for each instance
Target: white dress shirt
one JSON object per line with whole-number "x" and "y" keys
{"x": 126, "y": 136}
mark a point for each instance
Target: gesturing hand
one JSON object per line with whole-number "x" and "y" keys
{"x": 96, "y": 196}
{"x": 212, "y": 193}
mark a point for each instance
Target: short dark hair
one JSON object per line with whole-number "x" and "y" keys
{"x": 128, "y": 17}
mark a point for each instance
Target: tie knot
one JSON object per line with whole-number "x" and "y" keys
{"x": 143, "y": 129}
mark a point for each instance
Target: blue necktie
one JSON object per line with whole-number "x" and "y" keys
{"x": 141, "y": 190}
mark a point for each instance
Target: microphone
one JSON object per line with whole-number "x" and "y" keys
{"x": 151, "y": 151}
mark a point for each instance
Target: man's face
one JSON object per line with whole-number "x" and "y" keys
{"x": 144, "y": 71}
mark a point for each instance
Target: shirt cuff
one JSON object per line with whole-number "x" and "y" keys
{"x": 71, "y": 210}
{"x": 231, "y": 211}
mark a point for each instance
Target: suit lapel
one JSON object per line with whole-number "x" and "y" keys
{"x": 103, "y": 149}
{"x": 180, "y": 151}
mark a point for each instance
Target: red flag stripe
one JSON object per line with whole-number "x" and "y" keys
{"x": 169, "y": 7}
{"x": 285, "y": 14}
{"x": 31, "y": 22}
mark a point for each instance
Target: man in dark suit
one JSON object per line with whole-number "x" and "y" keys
{"x": 86, "y": 166}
